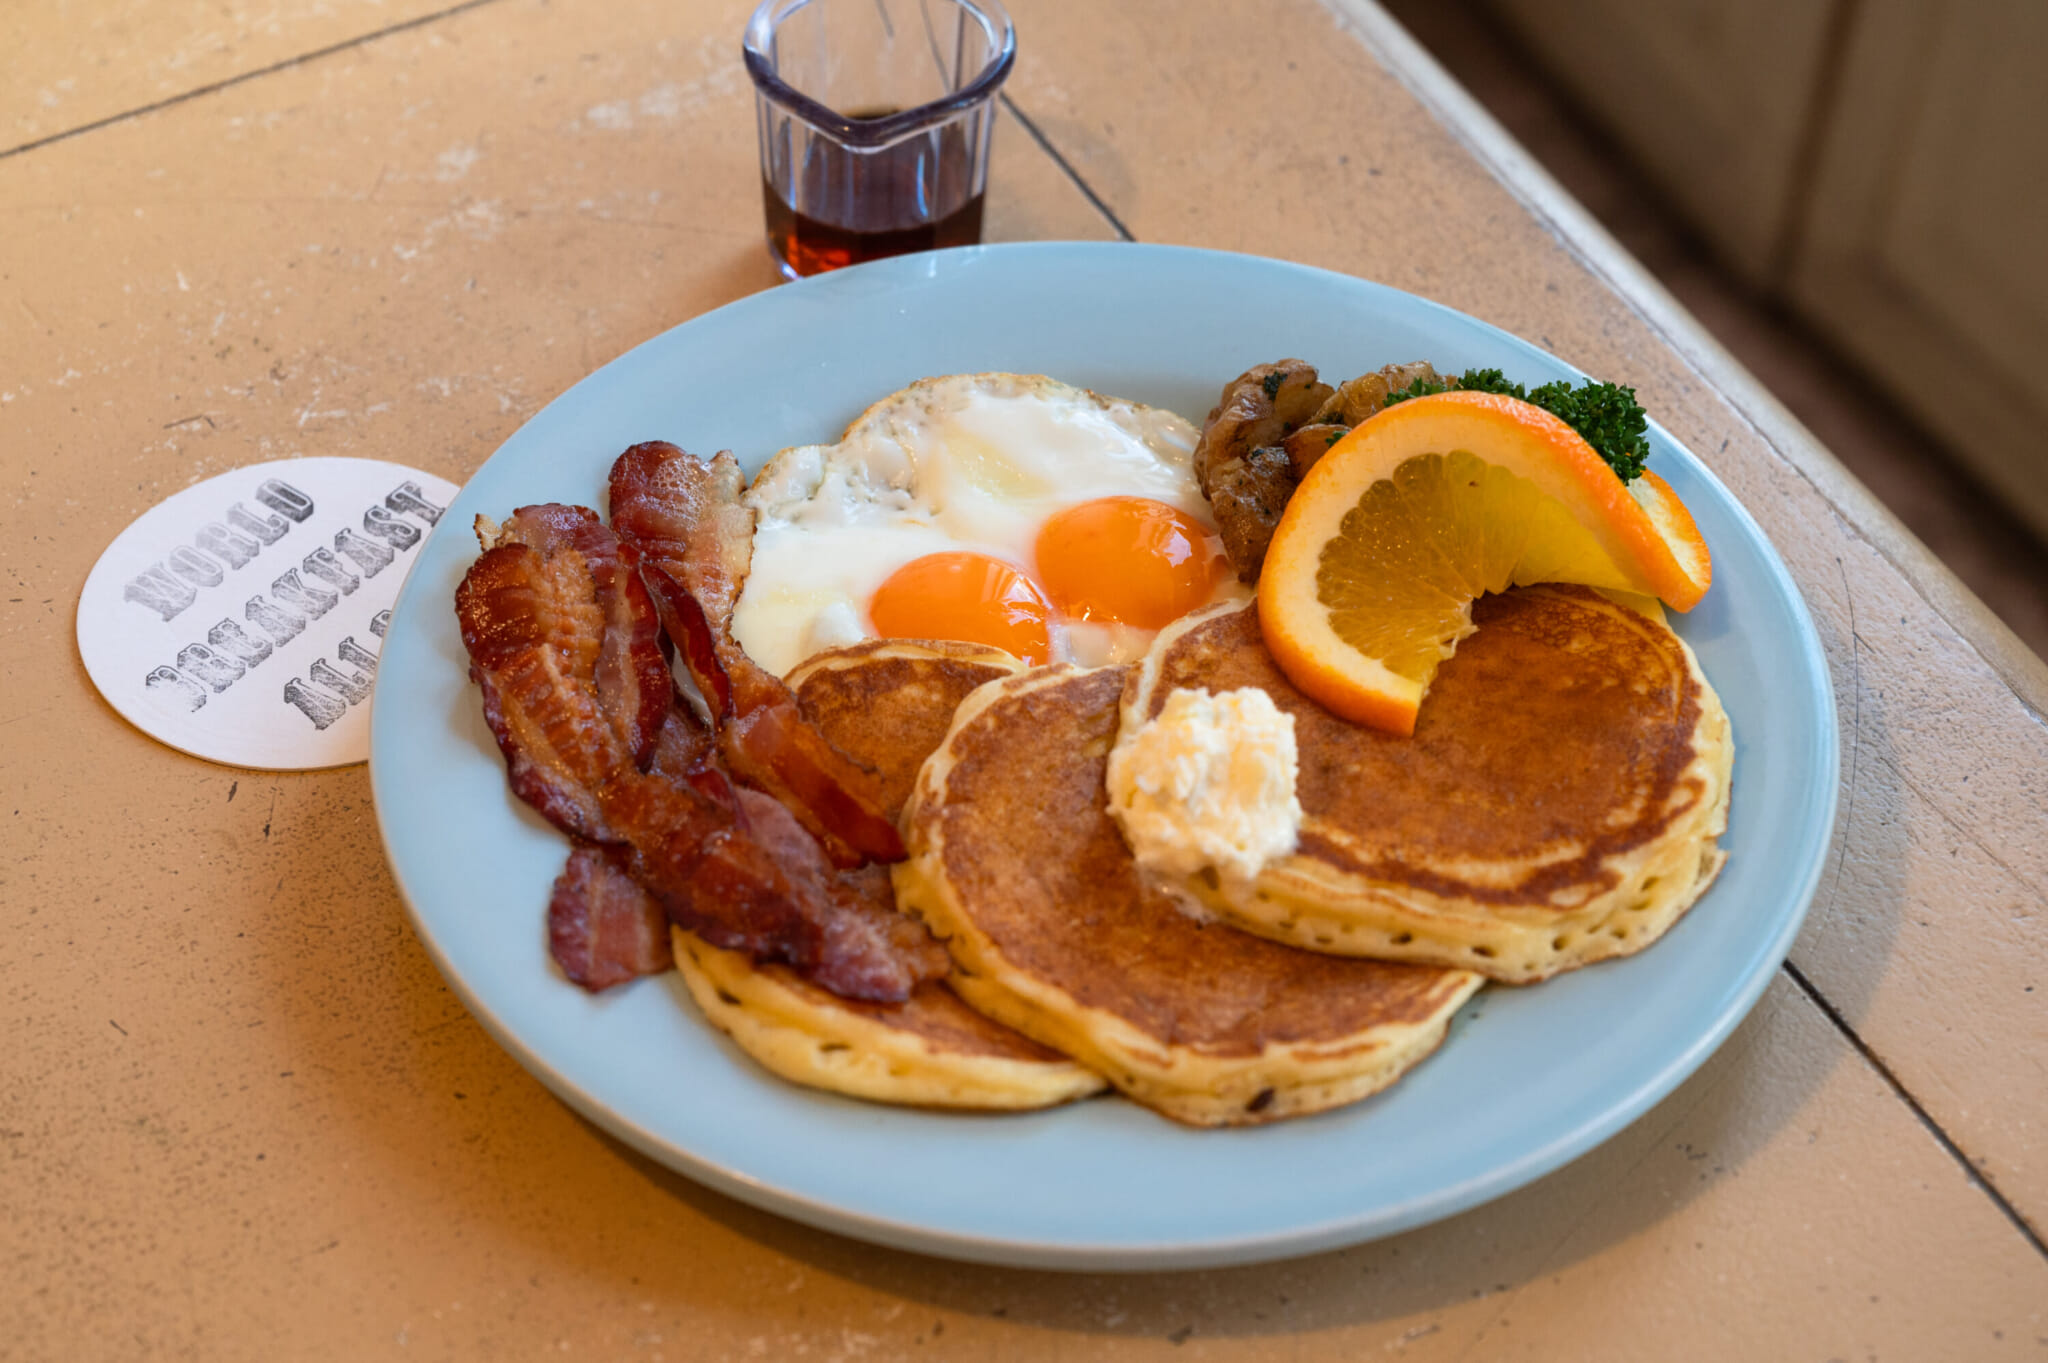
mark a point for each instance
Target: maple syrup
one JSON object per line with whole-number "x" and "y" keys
{"x": 865, "y": 205}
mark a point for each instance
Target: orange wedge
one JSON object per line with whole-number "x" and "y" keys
{"x": 1370, "y": 579}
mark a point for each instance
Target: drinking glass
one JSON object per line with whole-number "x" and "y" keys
{"x": 875, "y": 118}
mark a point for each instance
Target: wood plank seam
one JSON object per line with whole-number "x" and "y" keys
{"x": 1558, "y": 231}
{"x": 1678, "y": 1112}
{"x": 1561, "y": 230}
{"x": 1087, "y": 190}
{"x": 1589, "y": 244}
{"x": 199, "y": 92}
{"x": 1573, "y": 228}
{"x": 1934, "y": 1128}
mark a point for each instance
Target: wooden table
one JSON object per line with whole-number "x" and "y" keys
{"x": 242, "y": 1117}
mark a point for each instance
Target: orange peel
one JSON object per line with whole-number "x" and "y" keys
{"x": 1370, "y": 579}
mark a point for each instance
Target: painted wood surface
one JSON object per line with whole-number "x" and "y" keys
{"x": 244, "y": 1118}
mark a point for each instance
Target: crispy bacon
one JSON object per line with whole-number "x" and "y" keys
{"x": 685, "y": 514}
{"x": 695, "y": 538}
{"x": 755, "y": 880}
{"x": 533, "y": 630}
{"x": 685, "y": 749}
{"x": 874, "y": 950}
{"x": 537, "y": 611}
{"x": 634, "y": 688}
{"x": 781, "y": 752}
{"x": 696, "y": 639}
{"x": 771, "y": 746}
{"x": 603, "y": 929}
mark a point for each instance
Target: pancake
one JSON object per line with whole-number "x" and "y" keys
{"x": 931, "y": 1051}
{"x": 1017, "y": 864}
{"x": 1559, "y": 802}
{"x": 887, "y": 704}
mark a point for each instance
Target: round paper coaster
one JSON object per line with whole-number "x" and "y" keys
{"x": 240, "y": 620}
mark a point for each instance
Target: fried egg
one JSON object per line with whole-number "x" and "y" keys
{"x": 1002, "y": 509}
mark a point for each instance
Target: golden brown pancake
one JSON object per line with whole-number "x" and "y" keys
{"x": 930, "y": 1051}
{"x": 1016, "y": 862}
{"x": 1557, "y": 805}
{"x": 887, "y": 704}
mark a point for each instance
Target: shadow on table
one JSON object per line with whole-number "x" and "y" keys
{"x": 1616, "y": 1200}
{"x": 1629, "y": 1199}
{"x": 1695, "y": 1138}
{"x": 504, "y": 1161}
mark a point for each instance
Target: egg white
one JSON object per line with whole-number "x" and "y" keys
{"x": 973, "y": 462}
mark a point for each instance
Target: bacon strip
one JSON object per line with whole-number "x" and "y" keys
{"x": 685, "y": 750}
{"x": 772, "y": 746}
{"x": 634, "y": 688}
{"x": 533, "y": 631}
{"x": 733, "y": 866}
{"x": 695, "y": 538}
{"x": 685, "y": 515}
{"x": 603, "y": 929}
{"x": 875, "y": 948}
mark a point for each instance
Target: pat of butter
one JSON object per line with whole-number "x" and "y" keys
{"x": 1208, "y": 782}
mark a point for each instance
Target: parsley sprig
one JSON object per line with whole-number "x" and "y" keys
{"x": 1607, "y": 414}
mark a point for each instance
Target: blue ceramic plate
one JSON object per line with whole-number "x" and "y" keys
{"x": 1530, "y": 1077}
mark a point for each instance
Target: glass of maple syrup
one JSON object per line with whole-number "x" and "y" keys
{"x": 875, "y": 118}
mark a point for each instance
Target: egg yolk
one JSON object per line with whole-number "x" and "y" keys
{"x": 1128, "y": 560}
{"x": 969, "y": 597}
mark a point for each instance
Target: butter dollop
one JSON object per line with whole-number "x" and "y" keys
{"x": 1208, "y": 782}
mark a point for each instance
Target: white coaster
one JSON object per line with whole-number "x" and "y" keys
{"x": 240, "y": 620}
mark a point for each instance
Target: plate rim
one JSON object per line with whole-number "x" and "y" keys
{"x": 1814, "y": 847}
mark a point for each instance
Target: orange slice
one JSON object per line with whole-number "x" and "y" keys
{"x": 1370, "y": 579}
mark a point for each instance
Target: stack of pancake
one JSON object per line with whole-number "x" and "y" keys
{"x": 1559, "y": 803}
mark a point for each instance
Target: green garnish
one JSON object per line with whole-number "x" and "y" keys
{"x": 1271, "y": 383}
{"x": 1607, "y": 414}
